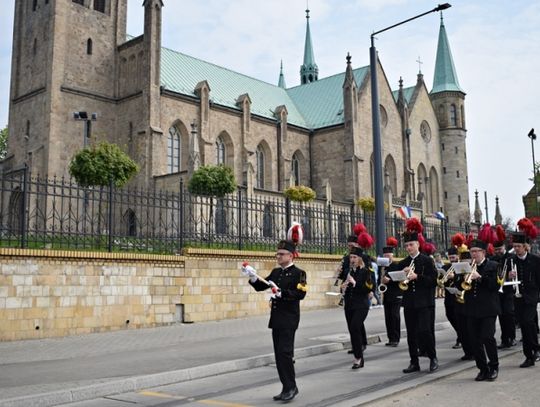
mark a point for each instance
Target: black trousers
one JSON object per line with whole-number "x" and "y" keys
{"x": 283, "y": 352}
{"x": 450, "y": 311}
{"x": 418, "y": 322}
{"x": 482, "y": 335}
{"x": 525, "y": 314}
{"x": 466, "y": 341}
{"x": 392, "y": 320}
{"x": 355, "y": 323}
{"x": 506, "y": 319}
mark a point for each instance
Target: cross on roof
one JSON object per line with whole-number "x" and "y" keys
{"x": 419, "y": 65}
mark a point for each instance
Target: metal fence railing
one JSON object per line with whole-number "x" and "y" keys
{"x": 55, "y": 213}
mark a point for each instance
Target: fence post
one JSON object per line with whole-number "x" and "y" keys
{"x": 24, "y": 226}
{"x": 110, "y": 242}
{"x": 239, "y": 203}
{"x": 287, "y": 214}
{"x": 444, "y": 231}
{"x": 181, "y": 215}
{"x": 330, "y": 234}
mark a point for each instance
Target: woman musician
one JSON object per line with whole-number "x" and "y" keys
{"x": 358, "y": 287}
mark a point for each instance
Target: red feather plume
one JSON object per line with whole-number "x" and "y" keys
{"x": 486, "y": 234}
{"x": 490, "y": 249}
{"x": 414, "y": 225}
{"x": 421, "y": 241}
{"x": 429, "y": 248}
{"x": 501, "y": 234}
{"x": 469, "y": 239}
{"x": 359, "y": 228}
{"x": 458, "y": 239}
{"x": 365, "y": 240}
{"x": 528, "y": 227}
{"x": 391, "y": 242}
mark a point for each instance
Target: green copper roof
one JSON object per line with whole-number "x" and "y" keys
{"x": 181, "y": 73}
{"x": 321, "y": 102}
{"x": 407, "y": 94}
{"x": 445, "y": 78}
{"x": 309, "y": 57}
{"x": 311, "y": 106}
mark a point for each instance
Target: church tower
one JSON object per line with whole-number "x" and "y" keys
{"x": 309, "y": 71}
{"x": 448, "y": 100}
{"x": 63, "y": 79}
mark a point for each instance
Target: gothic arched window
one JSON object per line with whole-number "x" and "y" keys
{"x": 453, "y": 115}
{"x": 220, "y": 151}
{"x": 295, "y": 169}
{"x": 89, "y": 46}
{"x": 173, "y": 150}
{"x": 260, "y": 167}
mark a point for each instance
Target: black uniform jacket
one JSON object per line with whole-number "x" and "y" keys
{"x": 393, "y": 293}
{"x": 421, "y": 292}
{"x": 449, "y": 299}
{"x": 529, "y": 275}
{"x": 285, "y": 311}
{"x": 357, "y": 297}
{"x": 482, "y": 300}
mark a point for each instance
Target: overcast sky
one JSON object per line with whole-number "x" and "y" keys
{"x": 495, "y": 45}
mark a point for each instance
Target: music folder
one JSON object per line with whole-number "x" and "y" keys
{"x": 461, "y": 267}
{"x": 397, "y": 275}
{"x": 383, "y": 261}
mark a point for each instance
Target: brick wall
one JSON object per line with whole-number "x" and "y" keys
{"x": 53, "y": 294}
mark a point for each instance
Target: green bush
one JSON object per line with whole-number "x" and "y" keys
{"x": 300, "y": 193}
{"x": 368, "y": 204}
{"x": 212, "y": 180}
{"x": 98, "y": 164}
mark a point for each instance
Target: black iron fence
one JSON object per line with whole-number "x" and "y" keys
{"x": 56, "y": 213}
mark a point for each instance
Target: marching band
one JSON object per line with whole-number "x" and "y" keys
{"x": 486, "y": 278}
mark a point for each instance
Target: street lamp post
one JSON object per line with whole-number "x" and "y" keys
{"x": 377, "y": 148}
{"x": 532, "y": 136}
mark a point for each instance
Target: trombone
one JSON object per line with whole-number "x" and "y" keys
{"x": 404, "y": 285}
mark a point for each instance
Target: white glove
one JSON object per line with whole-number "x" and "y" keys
{"x": 248, "y": 271}
{"x": 276, "y": 291}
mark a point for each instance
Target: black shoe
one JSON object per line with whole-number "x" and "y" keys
{"x": 433, "y": 364}
{"x": 527, "y": 363}
{"x": 537, "y": 357}
{"x": 388, "y": 344}
{"x": 492, "y": 375}
{"x": 289, "y": 395}
{"x": 457, "y": 345}
{"x": 359, "y": 364}
{"x": 503, "y": 345}
{"x": 467, "y": 357}
{"x": 394, "y": 344}
{"x": 350, "y": 352}
{"x": 482, "y": 375}
{"x": 412, "y": 368}
{"x": 278, "y": 397}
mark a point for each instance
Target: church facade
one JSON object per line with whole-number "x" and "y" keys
{"x": 78, "y": 79}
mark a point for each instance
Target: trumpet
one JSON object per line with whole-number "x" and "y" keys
{"x": 404, "y": 285}
{"x": 517, "y": 293}
{"x": 502, "y": 276}
{"x": 467, "y": 283}
{"x": 461, "y": 297}
{"x": 442, "y": 278}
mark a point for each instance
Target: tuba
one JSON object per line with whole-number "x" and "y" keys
{"x": 404, "y": 285}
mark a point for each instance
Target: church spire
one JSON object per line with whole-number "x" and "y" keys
{"x": 445, "y": 78}
{"x": 309, "y": 71}
{"x": 281, "y": 82}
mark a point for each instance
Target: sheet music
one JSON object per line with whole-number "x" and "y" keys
{"x": 383, "y": 261}
{"x": 397, "y": 275}
{"x": 461, "y": 267}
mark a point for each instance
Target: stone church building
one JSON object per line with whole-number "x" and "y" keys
{"x": 77, "y": 78}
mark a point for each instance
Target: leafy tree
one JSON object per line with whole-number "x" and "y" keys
{"x": 3, "y": 142}
{"x": 101, "y": 163}
{"x": 212, "y": 180}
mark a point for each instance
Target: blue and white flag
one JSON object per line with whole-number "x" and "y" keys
{"x": 439, "y": 215}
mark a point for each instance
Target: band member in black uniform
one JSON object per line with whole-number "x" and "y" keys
{"x": 447, "y": 280}
{"x": 506, "y": 297}
{"x": 418, "y": 299}
{"x": 284, "y": 314}
{"x": 461, "y": 318}
{"x": 481, "y": 308}
{"x": 527, "y": 271}
{"x": 392, "y": 296}
{"x": 358, "y": 285}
